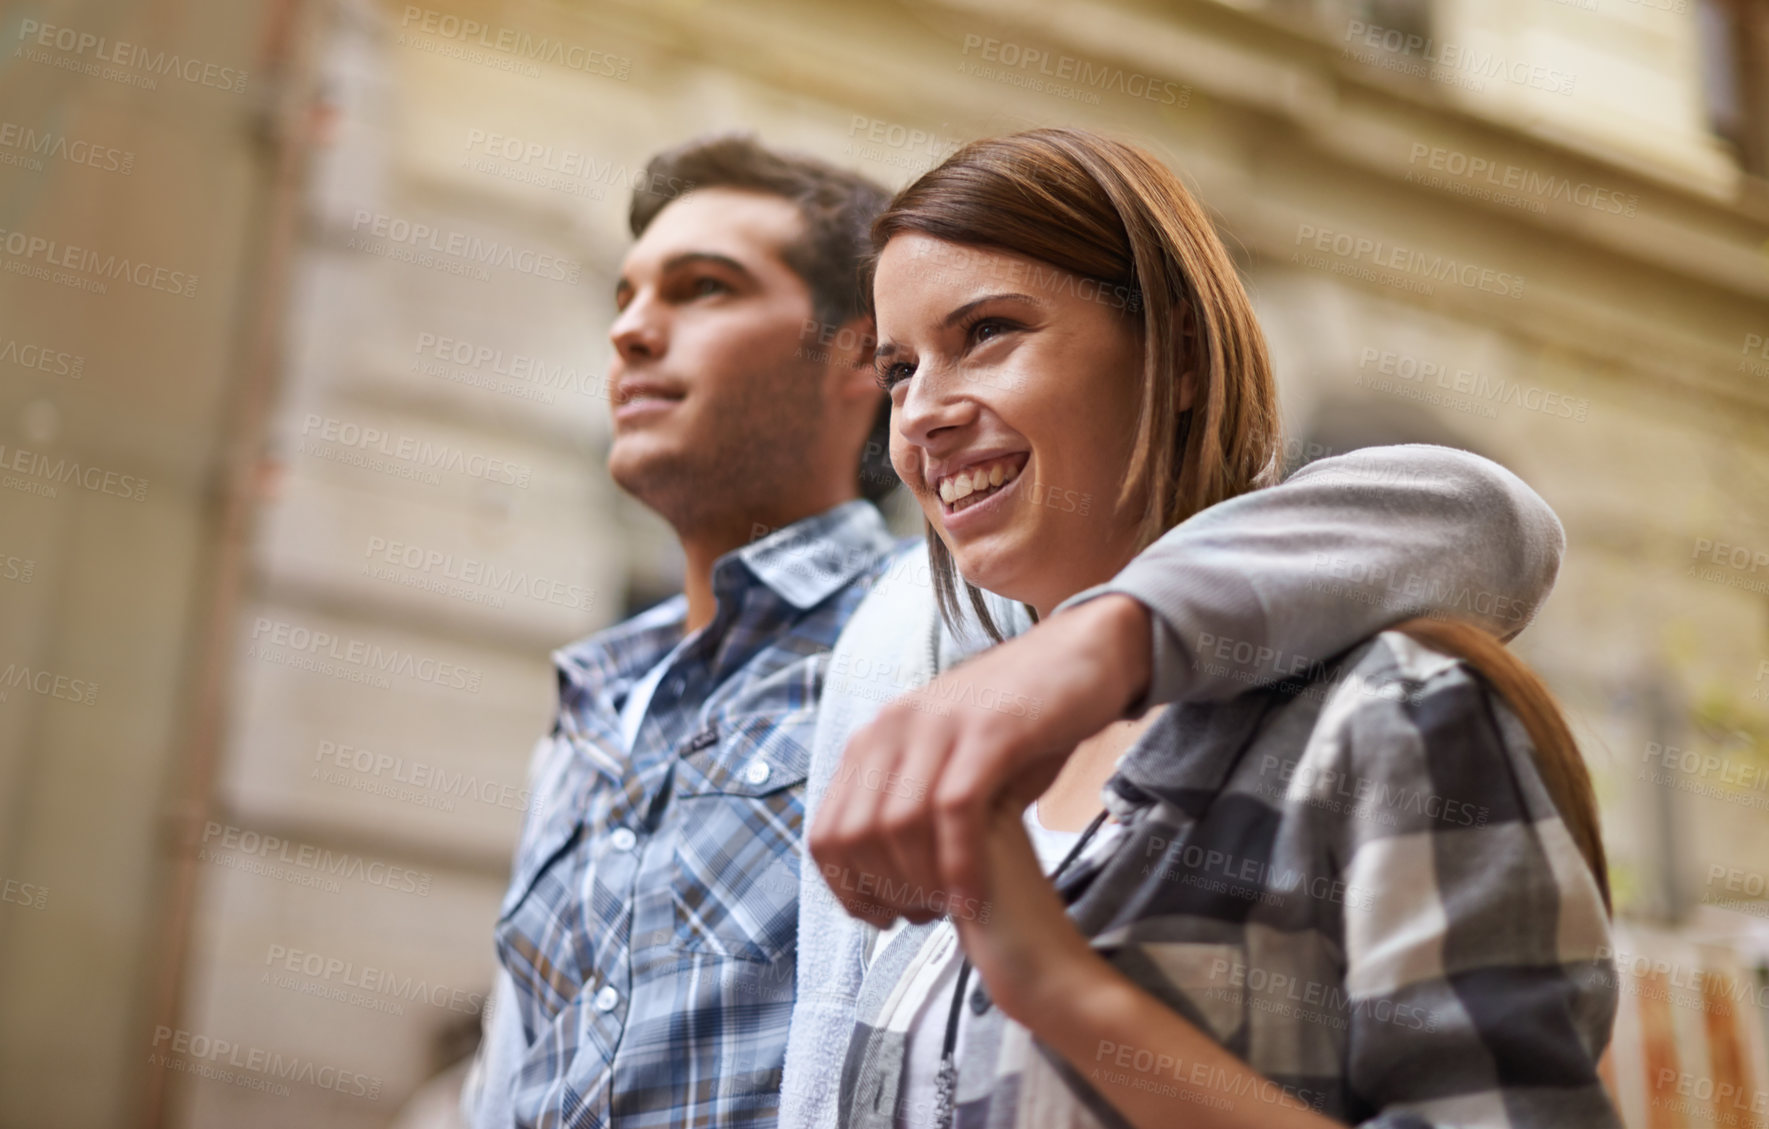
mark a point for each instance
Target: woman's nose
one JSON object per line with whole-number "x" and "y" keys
{"x": 933, "y": 402}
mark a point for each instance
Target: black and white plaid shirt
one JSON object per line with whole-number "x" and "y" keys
{"x": 1358, "y": 885}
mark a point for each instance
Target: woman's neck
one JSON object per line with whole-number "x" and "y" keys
{"x": 1047, "y": 606}
{"x": 1072, "y": 800}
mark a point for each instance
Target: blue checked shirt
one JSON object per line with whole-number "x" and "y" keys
{"x": 649, "y": 934}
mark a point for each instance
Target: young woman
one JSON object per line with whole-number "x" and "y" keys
{"x": 1372, "y": 893}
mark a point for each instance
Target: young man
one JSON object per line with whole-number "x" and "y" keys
{"x": 649, "y": 940}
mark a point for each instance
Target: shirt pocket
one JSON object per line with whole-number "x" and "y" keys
{"x": 740, "y": 831}
{"x": 541, "y": 935}
{"x": 1210, "y": 980}
{"x": 553, "y": 824}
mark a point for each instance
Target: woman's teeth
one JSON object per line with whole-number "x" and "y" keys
{"x": 977, "y": 482}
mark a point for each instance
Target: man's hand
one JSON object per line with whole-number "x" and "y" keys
{"x": 901, "y": 831}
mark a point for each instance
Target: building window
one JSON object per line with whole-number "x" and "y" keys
{"x": 1409, "y": 17}
{"x": 1734, "y": 43}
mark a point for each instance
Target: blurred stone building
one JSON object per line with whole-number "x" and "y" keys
{"x": 297, "y": 499}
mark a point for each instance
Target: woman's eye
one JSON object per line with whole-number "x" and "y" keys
{"x": 988, "y": 329}
{"x": 891, "y": 375}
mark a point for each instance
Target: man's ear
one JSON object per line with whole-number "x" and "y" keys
{"x": 851, "y": 351}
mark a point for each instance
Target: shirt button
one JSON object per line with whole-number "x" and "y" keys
{"x": 979, "y": 1000}
{"x": 622, "y": 839}
{"x": 607, "y": 998}
{"x": 757, "y": 772}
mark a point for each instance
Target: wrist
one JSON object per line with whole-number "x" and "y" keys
{"x": 1055, "y": 1000}
{"x": 1121, "y": 628}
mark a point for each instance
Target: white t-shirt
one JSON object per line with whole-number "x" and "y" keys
{"x": 639, "y": 700}
{"x": 927, "y": 1033}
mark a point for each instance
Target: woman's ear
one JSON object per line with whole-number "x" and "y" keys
{"x": 1188, "y": 389}
{"x": 1188, "y": 344}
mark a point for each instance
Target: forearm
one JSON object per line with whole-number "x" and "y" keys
{"x": 1108, "y": 639}
{"x": 1150, "y": 1063}
{"x": 1265, "y": 585}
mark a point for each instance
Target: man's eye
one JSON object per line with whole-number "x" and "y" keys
{"x": 705, "y": 285}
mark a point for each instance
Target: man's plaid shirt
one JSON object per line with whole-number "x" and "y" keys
{"x": 650, "y": 928}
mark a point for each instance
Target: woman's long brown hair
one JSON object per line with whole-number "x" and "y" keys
{"x": 1112, "y": 213}
{"x": 1557, "y": 755}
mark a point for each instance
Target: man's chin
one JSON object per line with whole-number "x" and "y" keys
{"x": 664, "y": 476}
{"x": 634, "y": 460}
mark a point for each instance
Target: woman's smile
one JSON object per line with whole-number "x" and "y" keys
{"x": 977, "y": 490}
{"x": 992, "y": 385}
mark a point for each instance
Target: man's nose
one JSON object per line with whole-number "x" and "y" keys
{"x": 639, "y": 332}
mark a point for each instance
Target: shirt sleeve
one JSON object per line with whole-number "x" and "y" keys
{"x": 1479, "y": 990}
{"x": 891, "y": 630}
{"x": 1257, "y": 588}
{"x": 487, "y": 1088}
{"x": 486, "y": 1091}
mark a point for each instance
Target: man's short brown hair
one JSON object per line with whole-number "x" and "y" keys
{"x": 838, "y": 207}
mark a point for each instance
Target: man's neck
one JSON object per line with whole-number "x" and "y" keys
{"x": 701, "y": 553}
{"x": 703, "y": 548}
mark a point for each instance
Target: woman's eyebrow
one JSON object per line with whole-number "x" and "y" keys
{"x": 889, "y": 348}
{"x": 961, "y": 312}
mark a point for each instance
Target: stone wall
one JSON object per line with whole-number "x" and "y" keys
{"x": 373, "y": 444}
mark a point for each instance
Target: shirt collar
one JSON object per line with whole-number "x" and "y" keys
{"x": 802, "y": 563}
{"x": 1185, "y": 757}
{"x": 806, "y": 562}
{"x": 615, "y": 656}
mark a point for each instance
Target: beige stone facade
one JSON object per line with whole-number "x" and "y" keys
{"x": 347, "y": 432}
